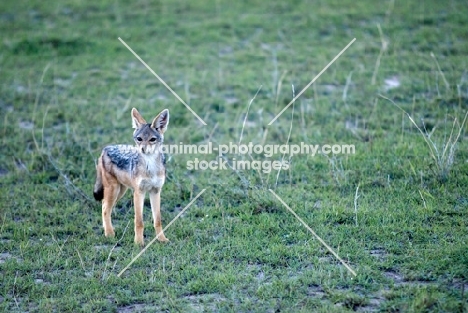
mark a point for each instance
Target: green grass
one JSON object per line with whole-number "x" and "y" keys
{"x": 67, "y": 87}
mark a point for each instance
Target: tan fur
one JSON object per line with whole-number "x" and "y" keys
{"x": 140, "y": 168}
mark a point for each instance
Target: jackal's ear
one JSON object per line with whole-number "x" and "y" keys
{"x": 161, "y": 121}
{"x": 137, "y": 120}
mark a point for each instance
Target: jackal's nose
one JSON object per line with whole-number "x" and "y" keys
{"x": 143, "y": 149}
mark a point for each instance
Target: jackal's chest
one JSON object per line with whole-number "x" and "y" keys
{"x": 152, "y": 174}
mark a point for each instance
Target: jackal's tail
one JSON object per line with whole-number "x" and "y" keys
{"x": 98, "y": 186}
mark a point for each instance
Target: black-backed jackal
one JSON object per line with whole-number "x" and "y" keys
{"x": 140, "y": 167}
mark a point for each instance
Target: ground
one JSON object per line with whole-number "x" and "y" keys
{"x": 395, "y": 211}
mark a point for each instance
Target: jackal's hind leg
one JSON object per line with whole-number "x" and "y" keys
{"x": 123, "y": 189}
{"x": 111, "y": 192}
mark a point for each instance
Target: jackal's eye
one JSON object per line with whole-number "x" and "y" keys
{"x": 153, "y": 139}
{"x": 139, "y": 139}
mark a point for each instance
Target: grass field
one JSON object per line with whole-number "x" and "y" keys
{"x": 396, "y": 211}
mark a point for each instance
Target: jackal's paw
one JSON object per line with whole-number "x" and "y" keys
{"x": 139, "y": 241}
{"x": 162, "y": 238}
{"x": 109, "y": 232}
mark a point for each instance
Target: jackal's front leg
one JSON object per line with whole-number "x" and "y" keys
{"x": 139, "y": 199}
{"x": 155, "y": 198}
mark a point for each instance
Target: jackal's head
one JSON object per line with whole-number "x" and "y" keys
{"x": 149, "y": 137}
